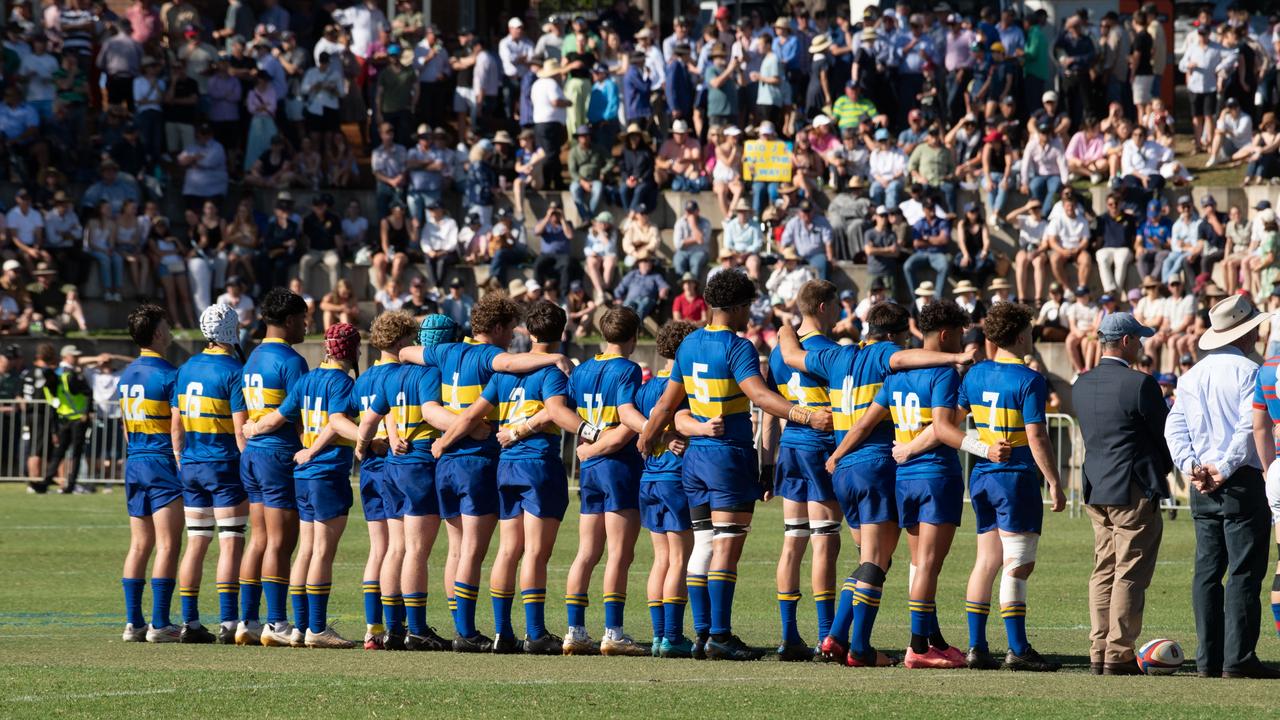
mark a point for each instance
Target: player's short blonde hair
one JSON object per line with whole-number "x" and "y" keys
{"x": 389, "y": 328}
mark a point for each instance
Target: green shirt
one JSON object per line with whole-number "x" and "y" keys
{"x": 78, "y": 93}
{"x": 849, "y": 113}
{"x": 570, "y": 43}
{"x": 588, "y": 164}
{"x": 397, "y": 83}
{"x": 935, "y": 164}
{"x": 1035, "y": 57}
{"x": 721, "y": 100}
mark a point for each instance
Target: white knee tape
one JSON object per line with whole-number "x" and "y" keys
{"x": 700, "y": 558}
{"x": 199, "y": 524}
{"x": 232, "y": 527}
{"x": 1273, "y": 491}
{"x": 911, "y": 579}
{"x": 824, "y": 527}
{"x": 1019, "y": 550}
{"x": 796, "y": 527}
{"x": 729, "y": 530}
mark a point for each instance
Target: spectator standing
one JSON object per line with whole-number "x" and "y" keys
{"x": 549, "y": 121}
{"x": 120, "y": 59}
{"x": 1211, "y": 436}
{"x": 1200, "y": 63}
{"x": 603, "y": 106}
{"x": 396, "y": 95}
{"x": 692, "y": 239}
{"x": 515, "y": 50}
{"x": 1075, "y": 52}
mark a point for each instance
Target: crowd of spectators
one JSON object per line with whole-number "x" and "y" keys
{"x": 157, "y": 153}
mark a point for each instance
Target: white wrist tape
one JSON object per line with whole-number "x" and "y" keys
{"x": 974, "y": 446}
{"x": 588, "y": 432}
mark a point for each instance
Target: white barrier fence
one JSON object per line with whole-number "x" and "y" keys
{"x": 31, "y": 434}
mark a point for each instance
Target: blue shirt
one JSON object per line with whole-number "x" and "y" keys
{"x": 519, "y": 397}
{"x": 1264, "y": 397}
{"x": 325, "y": 391}
{"x": 1004, "y": 396}
{"x": 635, "y": 93}
{"x": 599, "y": 387}
{"x": 854, "y": 374}
{"x": 405, "y": 389}
{"x": 465, "y": 368}
{"x": 663, "y": 465}
{"x": 16, "y": 120}
{"x": 272, "y": 368}
{"x": 1155, "y": 234}
{"x": 207, "y": 392}
{"x": 146, "y": 394}
{"x": 788, "y": 51}
{"x": 370, "y": 387}
{"x": 911, "y": 397}
{"x": 602, "y": 106}
{"x": 923, "y": 228}
{"x": 803, "y": 389}
{"x": 679, "y": 89}
{"x": 711, "y": 363}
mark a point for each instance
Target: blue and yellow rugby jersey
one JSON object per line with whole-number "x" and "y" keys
{"x": 1004, "y": 396}
{"x": 327, "y": 390}
{"x": 663, "y": 465}
{"x": 272, "y": 368}
{"x": 598, "y": 387}
{"x": 370, "y": 388}
{"x": 405, "y": 389}
{"x": 522, "y": 396}
{"x": 1264, "y": 396}
{"x": 802, "y": 389}
{"x": 207, "y": 391}
{"x": 146, "y": 397}
{"x": 710, "y": 363}
{"x": 911, "y": 397}
{"x": 465, "y": 368}
{"x": 854, "y": 374}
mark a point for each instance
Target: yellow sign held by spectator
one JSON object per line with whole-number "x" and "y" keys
{"x": 766, "y": 161}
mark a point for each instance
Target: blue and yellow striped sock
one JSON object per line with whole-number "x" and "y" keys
{"x": 464, "y": 620}
{"x": 720, "y": 585}
{"x": 866, "y": 604}
{"x": 372, "y": 605}
{"x": 535, "y": 612}
{"x": 699, "y": 603}
{"x": 133, "y": 588}
{"x": 161, "y": 599}
{"x": 1275, "y": 613}
{"x": 452, "y": 603}
{"x": 575, "y": 608}
{"x": 673, "y": 617}
{"x": 656, "y": 619}
{"x": 788, "y": 603}
{"x": 977, "y": 614}
{"x": 250, "y": 599}
{"x": 502, "y": 601}
{"x": 318, "y": 606}
{"x": 393, "y": 613}
{"x": 228, "y": 601}
{"x": 298, "y": 596}
{"x": 843, "y": 618}
{"x": 276, "y": 591}
{"x": 824, "y": 603}
{"x": 924, "y": 616}
{"x": 190, "y": 598}
{"x": 415, "y": 612}
{"x": 614, "y": 605}
{"x": 1015, "y": 626}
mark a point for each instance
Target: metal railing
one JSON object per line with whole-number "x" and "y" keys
{"x": 30, "y": 436}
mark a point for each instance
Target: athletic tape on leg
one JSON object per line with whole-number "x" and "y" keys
{"x": 232, "y": 527}
{"x": 199, "y": 522}
{"x": 824, "y": 527}
{"x": 796, "y": 527}
{"x": 869, "y": 573}
{"x": 700, "y": 558}
{"x": 730, "y": 530}
{"x": 1019, "y": 550}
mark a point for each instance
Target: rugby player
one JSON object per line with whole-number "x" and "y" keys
{"x": 152, "y": 490}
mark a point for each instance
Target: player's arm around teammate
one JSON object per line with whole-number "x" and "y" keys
{"x": 1264, "y": 442}
{"x": 152, "y": 491}
{"x": 1007, "y": 401}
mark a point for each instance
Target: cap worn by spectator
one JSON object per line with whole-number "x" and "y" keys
{"x": 12, "y": 265}
{"x": 847, "y": 295}
{"x": 1118, "y": 325}
{"x": 1184, "y": 200}
{"x": 1082, "y": 290}
{"x": 877, "y": 285}
{"x": 688, "y": 277}
{"x": 532, "y": 286}
{"x": 456, "y": 282}
{"x": 766, "y": 128}
{"x": 1049, "y": 96}
{"x": 722, "y": 12}
{"x": 805, "y": 207}
{"x": 581, "y": 131}
{"x": 691, "y": 206}
{"x": 70, "y": 351}
{"x": 882, "y": 134}
{"x": 1208, "y": 201}
{"x": 1262, "y": 205}
{"x": 882, "y": 210}
{"x": 515, "y": 22}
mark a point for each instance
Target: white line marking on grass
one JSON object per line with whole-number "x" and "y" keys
{"x": 63, "y": 527}
{"x": 64, "y": 697}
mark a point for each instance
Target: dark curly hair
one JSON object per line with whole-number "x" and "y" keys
{"x": 280, "y": 304}
{"x": 729, "y": 288}
{"x": 885, "y": 319}
{"x": 942, "y": 315}
{"x": 545, "y": 321}
{"x": 1005, "y": 322}
{"x": 494, "y": 310}
{"x": 619, "y": 324}
{"x": 143, "y": 323}
{"x": 671, "y": 335}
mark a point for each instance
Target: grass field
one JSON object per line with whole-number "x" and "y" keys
{"x": 60, "y": 621}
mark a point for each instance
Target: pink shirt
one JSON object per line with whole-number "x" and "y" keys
{"x": 145, "y": 22}
{"x": 822, "y": 143}
{"x": 682, "y": 156}
{"x": 959, "y": 55}
{"x": 1084, "y": 149}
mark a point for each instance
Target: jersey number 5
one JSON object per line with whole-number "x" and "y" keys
{"x": 701, "y": 388}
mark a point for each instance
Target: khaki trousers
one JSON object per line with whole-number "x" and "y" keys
{"x": 1126, "y": 541}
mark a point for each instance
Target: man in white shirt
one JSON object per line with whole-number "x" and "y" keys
{"x": 237, "y": 300}
{"x": 25, "y": 224}
{"x": 486, "y": 86}
{"x": 549, "y": 121}
{"x": 439, "y": 243}
{"x": 1233, "y": 138}
{"x": 37, "y": 70}
{"x": 1200, "y": 63}
{"x": 1216, "y": 439}
{"x": 1067, "y": 237}
{"x": 515, "y": 50}
{"x": 888, "y": 170}
{"x": 1141, "y": 160}
{"x": 364, "y": 20}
